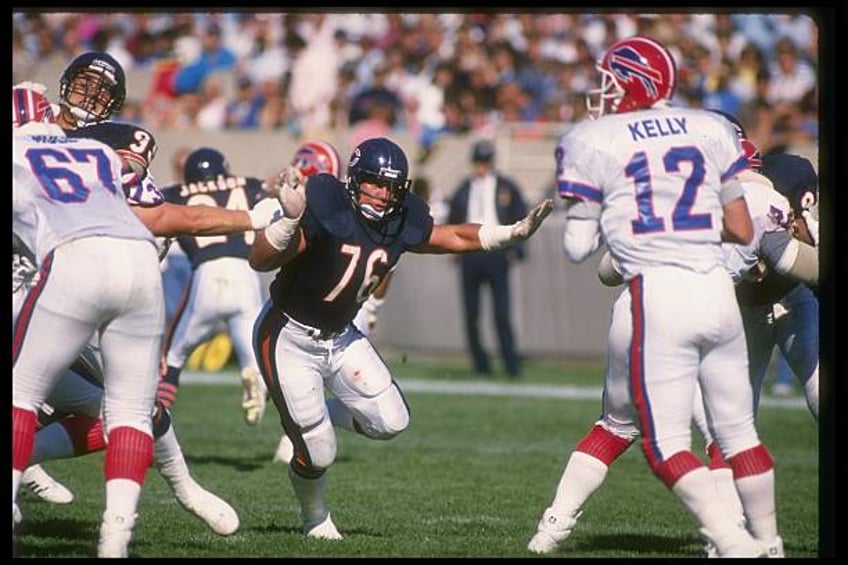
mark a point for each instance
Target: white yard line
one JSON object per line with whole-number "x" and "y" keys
{"x": 483, "y": 388}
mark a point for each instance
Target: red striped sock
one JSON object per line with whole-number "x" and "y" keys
{"x": 751, "y": 462}
{"x": 717, "y": 460}
{"x": 23, "y": 437}
{"x": 603, "y": 445}
{"x": 86, "y": 433}
{"x": 129, "y": 453}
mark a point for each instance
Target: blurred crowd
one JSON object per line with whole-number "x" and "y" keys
{"x": 427, "y": 73}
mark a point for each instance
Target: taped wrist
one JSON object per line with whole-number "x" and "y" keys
{"x": 373, "y": 304}
{"x": 279, "y": 233}
{"x": 495, "y": 237}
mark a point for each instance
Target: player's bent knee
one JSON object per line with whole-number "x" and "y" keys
{"x": 627, "y": 431}
{"x": 392, "y": 415}
{"x": 320, "y": 446}
{"x": 734, "y": 439}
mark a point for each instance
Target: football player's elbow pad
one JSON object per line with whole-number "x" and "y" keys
{"x": 800, "y": 261}
{"x": 581, "y": 239}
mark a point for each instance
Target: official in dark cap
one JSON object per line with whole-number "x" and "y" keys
{"x": 486, "y": 196}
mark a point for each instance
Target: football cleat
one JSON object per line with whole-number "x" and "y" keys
{"x": 552, "y": 532}
{"x": 115, "y": 535}
{"x": 253, "y": 396}
{"x": 17, "y": 518}
{"x": 735, "y": 543}
{"x": 285, "y": 451}
{"x": 325, "y": 529}
{"x": 215, "y": 511}
{"x": 46, "y": 487}
{"x": 775, "y": 549}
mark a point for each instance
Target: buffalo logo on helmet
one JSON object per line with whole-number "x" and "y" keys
{"x": 629, "y": 65}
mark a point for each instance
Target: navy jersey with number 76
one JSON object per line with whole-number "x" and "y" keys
{"x": 346, "y": 256}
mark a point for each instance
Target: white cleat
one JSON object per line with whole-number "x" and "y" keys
{"x": 115, "y": 535}
{"x": 774, "y": 550}
{"x": 253, "y": 396}
{"x": 46, "y": 487}
{"x": 16, "y": 516}
{"x": 215, "y": 511}
{"x": 552, "y": 532}
{"x": 326, "y": 529}
{"x": 285, "y": 451}
{"x": 735, "y": 543}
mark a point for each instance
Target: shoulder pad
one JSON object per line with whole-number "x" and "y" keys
{"x": 328, "y": 203}
{"x": 418, "y": 223}
{"x": 132, "y": 142}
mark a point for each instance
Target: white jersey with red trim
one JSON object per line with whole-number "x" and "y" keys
{"x": 658, "y": 174}
{"x": 65, "y": 189}
{"x": 769, "y": 213}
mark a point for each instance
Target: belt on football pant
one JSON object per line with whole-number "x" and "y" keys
{"x": 313, "y": 332}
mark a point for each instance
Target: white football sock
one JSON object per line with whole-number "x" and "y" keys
{"x": 169, "y": 461}
{"x": 582, "y": 476}
{"x": 757, "y": 494}
{"x": 122, "y": 496}
{"x": 310, "y": 494}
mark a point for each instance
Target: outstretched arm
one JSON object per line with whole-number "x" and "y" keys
{"x": 169, "y": 219}
{"x": 464, "y": 238}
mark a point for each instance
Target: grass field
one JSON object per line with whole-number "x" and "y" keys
{"x": 469, "y": 478}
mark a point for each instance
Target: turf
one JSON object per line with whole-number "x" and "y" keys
{"x": 469, "y": 478}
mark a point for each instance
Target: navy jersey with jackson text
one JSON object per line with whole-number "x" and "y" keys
{"x": 346, "y": 255}
{"x": 230, "y": 192}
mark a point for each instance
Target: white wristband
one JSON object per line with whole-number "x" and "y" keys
{"x": 280, "y": 232}
{"x": 372, "y": 305}
{"x": 495, "y": 237}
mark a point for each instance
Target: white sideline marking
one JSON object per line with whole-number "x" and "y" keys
{"x": 478, "y": 388}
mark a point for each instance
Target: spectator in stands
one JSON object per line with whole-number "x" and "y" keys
{"x": 214, "y": 56}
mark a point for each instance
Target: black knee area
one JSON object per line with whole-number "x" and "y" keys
{"x": 172, "y": 376}
{"x": 161, "y": 420}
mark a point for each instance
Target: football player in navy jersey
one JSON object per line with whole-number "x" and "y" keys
{"x": 334, "y": 245}
{"x": 222, "y": 286}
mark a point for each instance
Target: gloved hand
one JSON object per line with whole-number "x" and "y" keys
{"x": 370, "y": 308}
{"x": 291, "y": 191}
{"x": 264, "y": 212}
{"x": 525, "y": 228}
{"x": 498, "y": 237}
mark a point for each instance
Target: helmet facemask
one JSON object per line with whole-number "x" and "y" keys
{"x": 605, "y": 99}
{"x": 398, "y": 188}
{"x": 100, "y": 91}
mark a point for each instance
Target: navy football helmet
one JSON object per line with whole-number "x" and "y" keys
{"x": 795, "y": 178}
{"x": 101, "y": 80}
{"x": 382, "y": 162}
{"x": 205, "y": 164}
